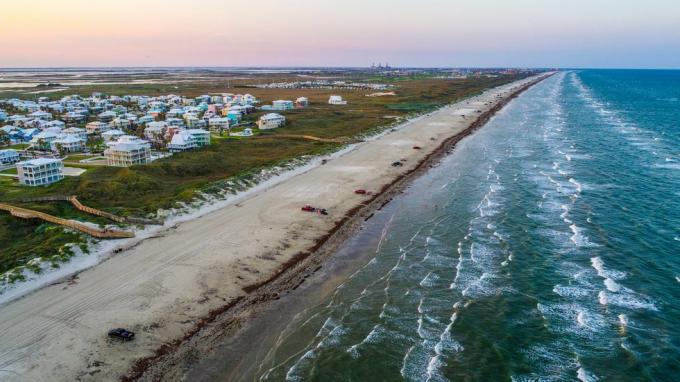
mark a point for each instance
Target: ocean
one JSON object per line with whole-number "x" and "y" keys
{"x": 546, "y": 246}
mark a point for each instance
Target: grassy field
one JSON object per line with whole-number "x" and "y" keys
{"x": 141, "y": 190}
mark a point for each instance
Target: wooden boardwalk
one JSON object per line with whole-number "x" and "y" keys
{"x": 25, "y": 213}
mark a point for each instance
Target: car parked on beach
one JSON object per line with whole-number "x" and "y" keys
{"x": 122, "y": 334}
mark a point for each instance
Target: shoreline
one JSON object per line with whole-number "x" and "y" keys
{"x": 189, "y": 286}
{"x": 180, "y": 356}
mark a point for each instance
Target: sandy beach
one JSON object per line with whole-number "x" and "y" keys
{"x": 174, "y": 289}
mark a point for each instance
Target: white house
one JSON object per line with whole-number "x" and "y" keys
{"x": 77, "y": 132}
{"x": 112, "y": 135}
{"x": 43, "y": 140}
{"x": 8, "y": 156}
{"x": 67, "y": 143}
{"x": 247, "y": 132}
{"x": 271, "y": 121}
{"x": 302, "y": 102}
{"x": 45, "y": 116}
{"x": 336, "y": 100}
{"x": 96, "y": 127}
{"x": 127, "y": 154}
{"x": 120, "y": 123}
{"x": 202, "y": 137}
{"x": 155, "y": 131}
{"x": 106, "y": 116}
{"x": 182, "y": 141}
{"x": 40, "y": 171}
{"x": 218, "y": 125}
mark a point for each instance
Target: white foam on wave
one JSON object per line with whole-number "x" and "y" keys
{"x": 602, "y": 298}
{"x": 585, "y": 376}
{"x": 598, "y": 264}
{"x": 570, "y": 291}
{"x": 578, "y": 238}
{"x": 611, "y": 285}
{"x": 429, "y": 280}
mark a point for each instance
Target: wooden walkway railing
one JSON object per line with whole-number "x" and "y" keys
{"x": 25, "y": 213}
{"x": 307, "y": 137}
{"x": 73, "y": 199}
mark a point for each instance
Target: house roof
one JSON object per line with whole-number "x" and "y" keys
{"x": 38, "y": 162}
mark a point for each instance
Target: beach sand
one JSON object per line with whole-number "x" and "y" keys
{"x": 172, "y": 290}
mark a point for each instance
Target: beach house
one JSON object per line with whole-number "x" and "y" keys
{"x": 8, "y": 156}
{"x": 336, "y": 100}
{"x": 182, "y": 141}
{"x": 44, "y": 139}
{"x": 218, "y": 125}
{"x": 40, "y": 171}
{"x": 155, "y": 131}
{"x": 302, "y": 102}
{"x": 271, "y": 121}
{"x": 77, "y": 132}
{"x": 127, "y": 154}
{"x": 67, "y": 144}
{"x": 96, "y": 127}
{"x": 112, "y": 135}
{"x": 106, "y": 116}
{"x": 282, "y": 105}
{"x": 201, "y": 137}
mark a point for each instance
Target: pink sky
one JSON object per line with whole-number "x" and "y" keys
{"x": 41, "y": 33}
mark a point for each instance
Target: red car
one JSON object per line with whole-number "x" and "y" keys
{"x": 308, "y": 208}
{"x": 416, "y": 147}
{"x": 360, "y": 191}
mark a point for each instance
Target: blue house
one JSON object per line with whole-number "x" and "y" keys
{"x": 8, "y": 157}
{"x": 28, "y": 134}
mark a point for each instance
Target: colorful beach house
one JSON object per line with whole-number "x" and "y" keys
{"x": 282, "y": 105}
{"x": 201, "y": 137}
{"x": 271, "y": 121}
{"x": 96, "y": 127}
{"x": 127, "y": 154}
{"x": 8, "y": 156}
{"x": 40, "y": 171}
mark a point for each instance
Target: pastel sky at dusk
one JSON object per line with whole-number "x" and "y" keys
{"x": 547, "y": 33}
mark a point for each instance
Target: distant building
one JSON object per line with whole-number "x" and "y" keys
{"x": 271, "y": 121}
{"x": 40, "y": 171}
{"x": 302, "y": 102}
{"x": 8, "y": 156}
{"x": 336, "y": 100}
{"x": 282, "y": 105}
{"x": 127, "y": 154}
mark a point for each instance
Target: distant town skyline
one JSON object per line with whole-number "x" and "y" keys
{"x": 429, "y": 33}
